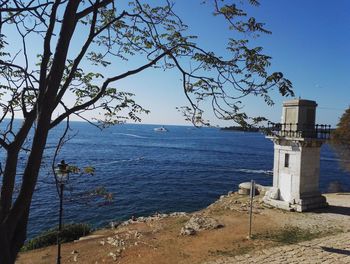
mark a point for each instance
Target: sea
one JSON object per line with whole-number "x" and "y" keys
{"x": 184, "y": 169}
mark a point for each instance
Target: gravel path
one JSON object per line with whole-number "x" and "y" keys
{"x": 331, "y": 249}
{"x": 334, "y": 249}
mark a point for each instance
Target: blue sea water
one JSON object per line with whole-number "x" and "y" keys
{"x": 184, "y": 169}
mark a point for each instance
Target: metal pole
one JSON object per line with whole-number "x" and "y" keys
{"x": 252, "y": 194}
{"x": 60, "y": 225}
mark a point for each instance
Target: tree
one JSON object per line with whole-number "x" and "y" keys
{"x": 340, "y": 139}
{"x": 78, "y": 42}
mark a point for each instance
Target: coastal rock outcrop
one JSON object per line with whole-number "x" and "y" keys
{"x": 244, "y": 188}
{"x": 155, "y": 217}
{"x": 199, "y": 223}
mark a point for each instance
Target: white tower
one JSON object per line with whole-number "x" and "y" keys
{"x": 297, "y": 142}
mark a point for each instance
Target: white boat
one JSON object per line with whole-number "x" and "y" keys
{"x": 161, "y": 129}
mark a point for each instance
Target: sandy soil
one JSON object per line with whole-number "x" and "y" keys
{"x": 158, "y": 240}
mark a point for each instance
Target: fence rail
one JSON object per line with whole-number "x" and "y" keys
{"x": 317, "y": 131}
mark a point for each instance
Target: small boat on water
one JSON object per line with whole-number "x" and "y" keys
{"x": 161, "y": 129}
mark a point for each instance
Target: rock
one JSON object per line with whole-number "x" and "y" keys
{"x": 127, "y": 222}
{"x": 187, "y": 231}
{"x": 114, "y": 224}
{"x": 115, "y": 241}
{"x": 244, "y": 188}
{"x": 178, "y": 214}
{"x": 75, "y": 253}
{"x": 262, "y": 188}
{"x": 137, "y": 235}
{"x": 114, "y": 256}
{"x": 243, "y": 191}
{"x": 89, "y": 237}
{"x": 198, "y": 223}
{"x": 244, "y": 185}
{"x": 162, "y": 215}
{"x": 140, "y": 219}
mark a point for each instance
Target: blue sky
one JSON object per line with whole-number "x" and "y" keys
{"x": 310, "y": 44}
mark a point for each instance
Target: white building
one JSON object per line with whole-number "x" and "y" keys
{"x": 297, "y": 142}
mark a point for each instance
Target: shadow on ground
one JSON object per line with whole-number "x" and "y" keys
{"x": 336, "y": 250}
{"x": 334, "y": 209}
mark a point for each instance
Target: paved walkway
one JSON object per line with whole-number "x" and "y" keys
{"x": 332, "y": 249}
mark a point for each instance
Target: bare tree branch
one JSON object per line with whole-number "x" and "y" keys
{"x": 91, "y": 9}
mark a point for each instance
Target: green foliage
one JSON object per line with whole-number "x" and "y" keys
{"x": 72, "y": 169}
{"x": 342, "y": 133}
{"x": 76, "y": 170}
{"x": 340, "y": 139}
{"x": 89, "y": 170}
{"x": 103, "y": 193}
{"x": 69, "y": 233}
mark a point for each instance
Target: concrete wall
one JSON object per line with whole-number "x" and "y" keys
{"x": 310, "y": 170}
{"x": 287, "y": 179}
{"x": 290, "y": 116}
{"x": 301, "y": 112}
{"x": 301, "y": 178}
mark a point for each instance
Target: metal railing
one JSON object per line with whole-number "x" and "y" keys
{"x": 316, "y": 131}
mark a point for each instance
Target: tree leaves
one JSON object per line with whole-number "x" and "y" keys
{"x": 146, "y": 30}
{"x": 340, "y": 139}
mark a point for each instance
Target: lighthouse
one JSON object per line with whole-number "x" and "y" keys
{"x": 297, "y": 144}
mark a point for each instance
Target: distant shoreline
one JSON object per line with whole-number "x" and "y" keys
{"x": 239, "y": 128}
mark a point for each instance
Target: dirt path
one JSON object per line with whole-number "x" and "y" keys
{"x": 158, "y": 240}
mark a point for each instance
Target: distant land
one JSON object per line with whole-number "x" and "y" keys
{"x": 240, "y": 128}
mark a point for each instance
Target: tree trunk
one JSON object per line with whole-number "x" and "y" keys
{"x": 5, "y": 257}
{"x": 14, "y": 216}
{"x": 13, "y": 227}
{"x": 5, "y": 250}
{"x": 12, "y": 242}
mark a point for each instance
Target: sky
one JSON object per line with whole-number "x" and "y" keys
{"x": 309, "y": 43}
